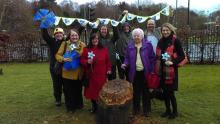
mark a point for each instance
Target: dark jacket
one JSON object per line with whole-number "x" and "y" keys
{"x": 109, "y": 43}
{"x": 163, "y": 44}
{"x": 122, "y": 42}
{"x": 147, "y": 57}
{"x": 53, "y": 45}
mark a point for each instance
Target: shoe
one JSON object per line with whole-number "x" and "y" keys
{"x": 171, "y": 116}
{"x": 70, "y": 111}
{"x": 93, "y": 110}
{"x": 165, "y": 114}
{"x": 58, "y": 103}
{"x": 146, "y": 114}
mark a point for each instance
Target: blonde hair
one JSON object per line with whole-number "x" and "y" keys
{"x": 170, "y": 26}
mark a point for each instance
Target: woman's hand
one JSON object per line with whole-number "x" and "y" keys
{"x": 90, "y": 61}
{"x": 123, "y": 66}
{"x": 67, "y": 59}
{"x": 169, "y": 63}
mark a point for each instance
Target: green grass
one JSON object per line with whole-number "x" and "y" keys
{"x": 26, "y": 97}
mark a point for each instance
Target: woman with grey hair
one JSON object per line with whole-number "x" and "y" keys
{"x": 139, "y": 58}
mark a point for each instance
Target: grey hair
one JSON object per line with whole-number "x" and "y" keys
{"x": 139, "y": 31}
{"x": 152, "y": 20}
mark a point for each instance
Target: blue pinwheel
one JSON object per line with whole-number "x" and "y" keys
{"x": 91, "y": 55}
{"x": 46, "y": 17}
{"x": 165, "y": 56}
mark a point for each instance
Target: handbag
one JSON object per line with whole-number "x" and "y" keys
{"x": 153, "y": 81}
{"x": 184, "y": 61}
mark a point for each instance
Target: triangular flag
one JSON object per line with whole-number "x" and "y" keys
{"x": 142, "y": 19}
{"x": 83, "y": 22}
{"x": 130, "y": 16}
{"x": 68, "y": 21}
{"x": 114, "y": 23}
{"x": 94, "y": 24}
{"x": 103, "y": 21}
{"x": 156, "y": 16}
{"x": 57, "y": 21}
{"x": 166, "y": 11}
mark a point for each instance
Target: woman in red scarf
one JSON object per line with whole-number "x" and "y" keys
{"x": 169, "y": 54}
{"x": 97, "y": 65}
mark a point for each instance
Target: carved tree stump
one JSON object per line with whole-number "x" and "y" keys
{"x": 114, "y": 102}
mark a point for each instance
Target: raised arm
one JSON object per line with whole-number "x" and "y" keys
{"x": 46, "y": 36}
{"x": 115, "y": 34}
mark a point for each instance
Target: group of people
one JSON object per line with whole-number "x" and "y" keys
{"x": 134, "y": 53}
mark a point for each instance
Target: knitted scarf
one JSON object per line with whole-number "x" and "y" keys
{"x": 167, "y": 71}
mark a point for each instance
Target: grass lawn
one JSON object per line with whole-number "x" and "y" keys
{"x": 26, "y": 97}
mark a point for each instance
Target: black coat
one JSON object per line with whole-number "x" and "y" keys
{"x": 53, "y": 45}
{"x": 163, "y": 44}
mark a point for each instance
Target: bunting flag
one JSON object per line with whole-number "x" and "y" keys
{"x": 103, "y": 21}
{"x": 83, "y": 22}
{"x": 48, "y": 19}
{"x": 68, "y": 21}
{"x": 156, "y": 16}
{"x": 142, "y": 19}
{"x": 166, "y": 11}
{"x": 94, "y": 24}
{"x": 114, "y": 23}
{"x": 57, "y": 20}
{"x": 130, "y": 16}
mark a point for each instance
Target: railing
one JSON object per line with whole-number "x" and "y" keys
{"x": 202, "y": 47}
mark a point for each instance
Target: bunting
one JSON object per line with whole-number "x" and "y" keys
{"x": 167, "y": 11}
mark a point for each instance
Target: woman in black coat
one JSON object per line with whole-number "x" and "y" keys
{"x": 169, "y": 54}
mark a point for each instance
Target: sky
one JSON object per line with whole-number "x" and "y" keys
{"x": 200, "y": 5}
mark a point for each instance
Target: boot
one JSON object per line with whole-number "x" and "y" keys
{"x": 94, "y": 106}
{"x": 167, "y": 113}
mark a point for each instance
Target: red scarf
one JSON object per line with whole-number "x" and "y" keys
{"x": 168, "y": 71}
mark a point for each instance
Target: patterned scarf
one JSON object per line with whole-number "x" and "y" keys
{"x": 166, "y": 71}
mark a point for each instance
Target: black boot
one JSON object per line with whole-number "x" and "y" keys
{"x": 167, "y": 113}
{"x": 94, "y": 106}
{"x": 168, "y": 110}
{"x": 174, "y": 105}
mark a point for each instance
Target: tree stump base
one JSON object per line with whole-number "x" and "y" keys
{"x": 114, "y": 103}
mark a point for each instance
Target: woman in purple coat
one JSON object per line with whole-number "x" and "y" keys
{"x": 139, "y": 58}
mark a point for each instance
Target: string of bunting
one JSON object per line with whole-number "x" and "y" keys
{"x": 104, "y": 21}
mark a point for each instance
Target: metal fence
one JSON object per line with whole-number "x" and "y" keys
{"x": 28, "y": 48}
{"x": 202, "y": 47}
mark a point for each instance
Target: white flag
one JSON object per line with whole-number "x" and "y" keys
{"x": 142, "y": 19}
{"x": 104, "y": 21}
{"x": 68, "y": 21}
{"x": 57, "y": 20}
{"x": 130, "y": 16}
{"x": 83, "y": 22}
{"x": 114, "y": 23}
